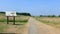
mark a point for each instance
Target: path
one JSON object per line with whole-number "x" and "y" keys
{"x": 33, "y": 28}
{"x": 37, "y": 27}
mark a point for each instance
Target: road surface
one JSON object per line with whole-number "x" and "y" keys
{"x": 33, "y": 28}
{"x": 37, "y": 27}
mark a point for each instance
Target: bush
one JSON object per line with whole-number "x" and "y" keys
{"x": 59, "y": 16}
{"x": 53, "y": 16}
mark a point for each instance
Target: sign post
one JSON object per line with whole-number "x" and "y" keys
{"x": 7, "y": 20}
{"x": 14, "y": 20}
{"x": 10, "y": 14}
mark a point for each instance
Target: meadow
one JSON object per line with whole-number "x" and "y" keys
{"x": 53, "y": 21}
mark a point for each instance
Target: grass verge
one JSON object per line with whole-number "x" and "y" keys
{"x": 50, "y": 21}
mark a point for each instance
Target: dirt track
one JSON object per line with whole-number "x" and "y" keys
{"x": 41, "y": 28}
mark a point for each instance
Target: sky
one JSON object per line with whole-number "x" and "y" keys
{"x": 34, "y": 7}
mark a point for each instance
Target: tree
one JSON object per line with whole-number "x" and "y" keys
{"x": 25, "y": 14}
{"x": 41, "y": 15}
{"x": 59, "y": 16}
{"x": 53, "y": 16}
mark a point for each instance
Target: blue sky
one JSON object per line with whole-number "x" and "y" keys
{"x": 35, "y": 7}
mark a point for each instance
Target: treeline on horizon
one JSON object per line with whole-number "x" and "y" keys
{"x": 49, "y": 16}
{"x": 28, "y": 14}
{"x": 25, "y": 14}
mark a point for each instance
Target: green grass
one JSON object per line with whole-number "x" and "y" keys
{"x": 1, "y": 29}
{"x": 4, "y": 20}
{"x": 18, "y": 20}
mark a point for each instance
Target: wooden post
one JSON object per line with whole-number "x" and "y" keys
{"x": 7, "y": 20}
{"x": 14, "y": 20}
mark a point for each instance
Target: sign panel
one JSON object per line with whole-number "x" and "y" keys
{"x": 10, "y": 13}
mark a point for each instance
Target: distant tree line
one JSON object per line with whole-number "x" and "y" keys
{"x": 49, "y": 16}
{"x": 25, "y": 14}
{"x": 2, "y": 12}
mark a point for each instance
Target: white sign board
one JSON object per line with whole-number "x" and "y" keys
{"x": 10, "y": 13}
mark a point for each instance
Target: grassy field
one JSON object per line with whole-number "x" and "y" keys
{"x": 19, "y": 20}
{"x": 53, "y": 21}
